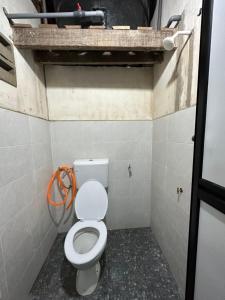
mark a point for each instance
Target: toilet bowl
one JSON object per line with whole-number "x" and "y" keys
{"x": 86, "y": 240}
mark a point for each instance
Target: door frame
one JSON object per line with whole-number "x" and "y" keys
{"x": 202, "y": 189}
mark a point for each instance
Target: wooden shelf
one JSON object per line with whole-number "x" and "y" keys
{"x": 54, "y": 45}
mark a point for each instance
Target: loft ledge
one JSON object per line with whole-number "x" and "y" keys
{"x": 93, "y": 39}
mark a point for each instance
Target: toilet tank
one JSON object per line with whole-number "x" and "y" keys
{"x": 91, "y": 169}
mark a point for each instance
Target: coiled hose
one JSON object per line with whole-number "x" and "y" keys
{"x": 59, "y": 175}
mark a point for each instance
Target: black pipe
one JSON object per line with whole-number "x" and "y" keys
{"x": 159, "y": 21}
{"x": 175, "y": 18}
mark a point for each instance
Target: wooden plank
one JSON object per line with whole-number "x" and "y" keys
{"x": 121, "y": 27}
{"x": 97, "y": 27}
{"x": 145, "y": 28}
{"x": 72, "y": 26}
{"x": 48, "y": 26}
{"x": 98, "y": 58}
{"x": 89, "y": 39}
{"x": 18, "y": 25}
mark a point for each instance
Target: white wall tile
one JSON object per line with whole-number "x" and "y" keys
{"x": 39, "y": 131}
{"x": 124, "y": 143}
{"x": 159, "y": 152}
{"x": 180, "y": 157}
{"x": 3, "y": 283}
{"x": 34, "y": 222}
{"x": 171, "y": 168}
{"x": 17, "y": 246}
{"x": 47, "y": 242}
{"x": 14, "y": 129}
{"x": 25, "y": 168}
{"x": 15, "y": 196}
{"x": 15, "y": 162}
{"x": 22, "y": 288}
{"x": 3, "y": 287}
{"x": 160, "y": 132}
{"x": 182, "y": 126}
{"x": 41, "y": 155}
{"x": 41, "y": 177}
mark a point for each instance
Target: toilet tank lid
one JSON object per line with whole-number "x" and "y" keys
{"x": 87, "y": 162}
{"x": 91, "y": 202}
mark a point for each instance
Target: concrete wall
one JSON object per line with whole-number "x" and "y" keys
{"x": 175, "y": 80}
{"x": 123, "y": 143}
{"x": 26, "y": 229}
{"x": 171, "y": 168}
{"x": 30, "y": 96}
{"x": 87, "y": 93}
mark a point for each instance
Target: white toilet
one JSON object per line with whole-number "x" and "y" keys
{"x": 86, "y": 240}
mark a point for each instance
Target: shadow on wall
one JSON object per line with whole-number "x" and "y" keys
{"x": 176, "y": 77}
{"x": 60, "y": 215}
{"x": 99, "y": 77}
{"x": 175, "y": 80}
{"x": 36, "y": 68}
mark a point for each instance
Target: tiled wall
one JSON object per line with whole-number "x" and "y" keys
{"x": 26, "y": 228}
{"x": 171, "y": 168}
{"x": 124, "y": 143}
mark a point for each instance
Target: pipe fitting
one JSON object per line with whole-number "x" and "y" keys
{"x": 46, "y": 15}
{"x": 169, "y": 42}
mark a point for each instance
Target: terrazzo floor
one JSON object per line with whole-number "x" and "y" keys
{"x": 133, "y": 268}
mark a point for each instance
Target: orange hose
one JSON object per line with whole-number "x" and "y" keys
{"x": 68, "y": 171}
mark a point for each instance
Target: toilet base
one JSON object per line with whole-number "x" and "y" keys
{"x": 87, "y": 280}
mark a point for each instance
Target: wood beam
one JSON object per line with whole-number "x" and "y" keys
{"x": 98, "y": 58}
{"x": 90, "y": 39}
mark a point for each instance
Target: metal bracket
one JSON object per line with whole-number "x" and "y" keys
{"x": 11, "y": 22}
{"x": 175, "y": 18}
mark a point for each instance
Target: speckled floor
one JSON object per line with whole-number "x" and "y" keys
{"x": 133, "y": 268}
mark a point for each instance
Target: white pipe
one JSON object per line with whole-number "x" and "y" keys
{"x": 74, "y": 14}
{"x": 169, "y": 42}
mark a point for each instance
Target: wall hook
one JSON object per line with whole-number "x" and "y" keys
{"x": 130, "y": 171}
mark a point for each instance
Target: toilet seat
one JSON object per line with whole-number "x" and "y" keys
{"x": 81, "y": 259}
{"x": 91, "y": 204}
{"x": 91, "y": 201}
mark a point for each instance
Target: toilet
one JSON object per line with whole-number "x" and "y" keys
{"x": 86, "y": 240}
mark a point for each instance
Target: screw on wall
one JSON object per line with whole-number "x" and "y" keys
{"x": 179, "y": 192}
{"x": 200, "y": 12}
{"x": 130, "y": 171}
